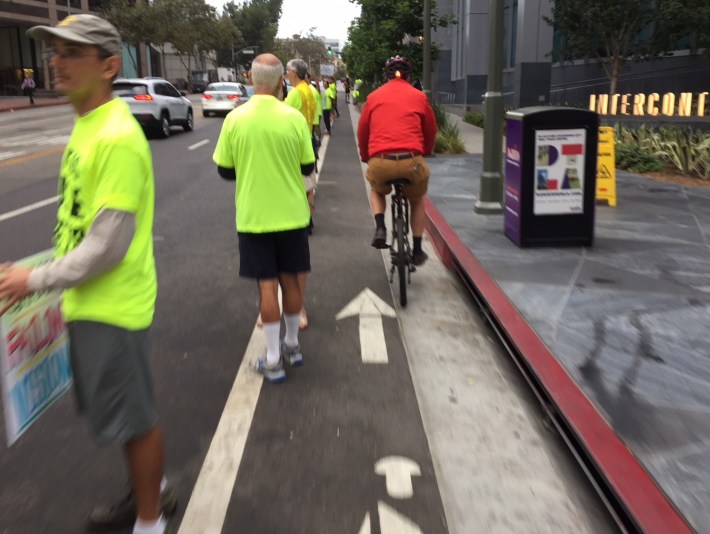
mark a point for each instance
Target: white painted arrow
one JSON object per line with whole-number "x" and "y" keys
{"x": 398, "y": 472}
{"x": 370, "y": 308}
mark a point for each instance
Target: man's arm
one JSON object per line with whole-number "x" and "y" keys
{"x": 104, "y": 247}
{"x": 429, "y": 129}
{"x": 363, "y": 133}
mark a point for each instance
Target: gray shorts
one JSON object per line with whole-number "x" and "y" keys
{"x": 112, "y": 380}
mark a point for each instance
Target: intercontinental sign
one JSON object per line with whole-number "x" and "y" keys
{"x": 653, "y": 104}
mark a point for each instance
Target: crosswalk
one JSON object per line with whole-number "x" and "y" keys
{"x": 20, "y": 145}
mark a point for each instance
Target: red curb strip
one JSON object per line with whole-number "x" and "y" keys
{"x": 647, "y": 505}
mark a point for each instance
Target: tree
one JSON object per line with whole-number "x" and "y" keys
{"x": 385, "y": 28}
{"x": 617, "y": 31}
{"x": 133, "y": 22}
{"x": 309, "y": 48}
{"x": 257, "y": 22}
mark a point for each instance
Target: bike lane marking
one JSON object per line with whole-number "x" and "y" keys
{"x": 370, "y": 308}
{"x": 198, "y": 144}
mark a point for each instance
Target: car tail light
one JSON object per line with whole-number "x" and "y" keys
{"x": 145, "y": 98}
{"x": 232, "y": 97}
{"x": 206, "y": 97}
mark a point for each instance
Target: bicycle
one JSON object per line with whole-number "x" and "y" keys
{"x": 400, "y": 250}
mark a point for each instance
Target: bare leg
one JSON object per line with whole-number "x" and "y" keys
{"x": 302, "y": 279}
{"x": 417, "y": 216}
{"x": 269, "y": 300}
{"x": 145, "y": 462}
{"x": 292, "y": 295}
{"x": 377, "y": 202}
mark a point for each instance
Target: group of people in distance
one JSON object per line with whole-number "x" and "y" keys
{"x": 104, "y": 261}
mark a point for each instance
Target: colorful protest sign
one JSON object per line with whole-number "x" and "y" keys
{"x": 34, "y": 356}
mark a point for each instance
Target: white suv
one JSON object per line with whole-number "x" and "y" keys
{"x": 155, "y": 104}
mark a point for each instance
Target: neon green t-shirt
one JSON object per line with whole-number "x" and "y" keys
{"x": 319, "y": 105}
{"x": 266, "y": 142}
{"x": 301, "y": 98}
{"x": 107, "y": 164}
{"x": 329, "y": 97}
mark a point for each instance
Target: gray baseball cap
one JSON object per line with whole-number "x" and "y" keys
{"x": 83, "y": 29}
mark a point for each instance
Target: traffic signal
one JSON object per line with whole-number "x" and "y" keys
{"x": 330, "y": 51}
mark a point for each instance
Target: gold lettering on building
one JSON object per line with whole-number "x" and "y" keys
{"x": 653, "y": 104}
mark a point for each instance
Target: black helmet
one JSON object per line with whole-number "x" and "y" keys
{"x": 398, "y": 67}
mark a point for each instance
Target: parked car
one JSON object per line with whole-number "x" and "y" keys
{"x": 223, "y": 97}
{"x": 155, "y": 103}
{"x": 198, "y": 85}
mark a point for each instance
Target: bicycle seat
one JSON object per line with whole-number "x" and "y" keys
{"x": 399, "y": 181}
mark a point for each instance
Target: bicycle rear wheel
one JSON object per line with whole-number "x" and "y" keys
{"x": 402, "y": 267}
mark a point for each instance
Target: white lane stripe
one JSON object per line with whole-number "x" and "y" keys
{"x": 8, "y": 155}
{"x": 198, "y": 145}
{"x": 210, "y": 498}
{"x": 31, "y": 207}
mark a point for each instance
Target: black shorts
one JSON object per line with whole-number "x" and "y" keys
{"x": 265, "y": 256}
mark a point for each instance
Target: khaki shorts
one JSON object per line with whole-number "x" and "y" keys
{"x": 381, "y": 170}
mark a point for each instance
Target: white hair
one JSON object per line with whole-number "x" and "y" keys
{"x": 266, "y": 74}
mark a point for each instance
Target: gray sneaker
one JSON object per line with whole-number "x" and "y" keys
{"x": 274, "y": 374}
{"x": 292, "y": 355}
{"x": 123, "y": 513}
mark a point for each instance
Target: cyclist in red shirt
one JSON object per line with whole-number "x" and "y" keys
{"x": 396, "y": 130}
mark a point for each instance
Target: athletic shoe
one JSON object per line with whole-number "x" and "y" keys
{"x": 419, "y": 258}
{"x": 274, "y": 374}
{"x": 379, "y": 240}
{"x": 123, "y": 514}
{"x": 292, "y": 355}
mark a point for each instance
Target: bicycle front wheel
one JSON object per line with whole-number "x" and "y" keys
{"x": 402, "y": 267}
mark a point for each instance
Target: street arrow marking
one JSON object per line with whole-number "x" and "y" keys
{"x": 398, "y": 472}
{"x": 370, "y": 308}
{"x": 391, "y": 522}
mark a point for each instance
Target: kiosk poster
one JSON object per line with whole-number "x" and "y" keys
{"x": 34, "y": 356}
{"x": 559, "y": 171}
{"x": 513, "y": 179}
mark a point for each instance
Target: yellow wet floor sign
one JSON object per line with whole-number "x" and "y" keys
{"x": 606, "y": 166}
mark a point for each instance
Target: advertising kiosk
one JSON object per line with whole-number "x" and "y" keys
{"x": 550, "y": 176}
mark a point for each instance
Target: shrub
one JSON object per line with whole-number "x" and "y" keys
{"x": 636, "y": 159}
{"x": 476, "y": 118}
{"x": 448, "y": 140}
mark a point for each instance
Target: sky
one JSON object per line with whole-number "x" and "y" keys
{"x": 331, "y": 18}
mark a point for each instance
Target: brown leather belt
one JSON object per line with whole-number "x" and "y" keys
{"x": 397, "y": 157}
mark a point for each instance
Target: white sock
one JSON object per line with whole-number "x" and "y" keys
{"x": 163, "y": 484}
{"x": 156, "y": 526}
{"x": 292, "y": 322}
{"x": 272, "y": 332}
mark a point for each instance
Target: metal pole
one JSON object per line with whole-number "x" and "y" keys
{"x": 426, "y": 51}
{"x": 490, "y": 198}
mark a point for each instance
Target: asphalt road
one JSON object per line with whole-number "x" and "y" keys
{"x": 339, "y": 448}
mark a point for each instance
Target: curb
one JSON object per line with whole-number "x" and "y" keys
{"x": 641, "y": 498}
{"x": 27, "y": 105}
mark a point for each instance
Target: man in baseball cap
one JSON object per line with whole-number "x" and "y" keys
{"x": 104, "y": 265}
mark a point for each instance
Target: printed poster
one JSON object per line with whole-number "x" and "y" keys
{"x": 34, "y": 356}
{"x": 559, "y": 171}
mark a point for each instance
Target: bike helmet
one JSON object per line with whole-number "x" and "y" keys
{"x": 398, "y": 67}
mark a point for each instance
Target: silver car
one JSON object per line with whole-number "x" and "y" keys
{"x": 223, "y": 97}
{"x": 155, "y": 103}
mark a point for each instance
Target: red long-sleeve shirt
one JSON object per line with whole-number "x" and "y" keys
{"x": 396, "y": 118}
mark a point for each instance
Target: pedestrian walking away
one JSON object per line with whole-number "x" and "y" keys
{"x": 397, "y": 128}
{"x": 105, "y": 266}
{"x": 268, "y": 146}
{"x": 327, "y": 107}
{"x": 302, "y": 99}
{"x": 28, "y": 87}
{"x": 346, "y": 86}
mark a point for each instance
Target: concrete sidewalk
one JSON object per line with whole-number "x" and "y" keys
{"x": 15, "y": 103}
{"x": 617, "y": 333}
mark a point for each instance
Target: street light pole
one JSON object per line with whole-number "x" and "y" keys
{"x": 491, "y": 191}
{"x": 426, "y": 51}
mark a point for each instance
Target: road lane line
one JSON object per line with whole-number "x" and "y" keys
{"x": 31, "y": 207}
{"x": 8, "y": 155}
{"x": 198, "y": 145}
{"x": 31, "y": 157}
{"x": 210, "y": 498}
